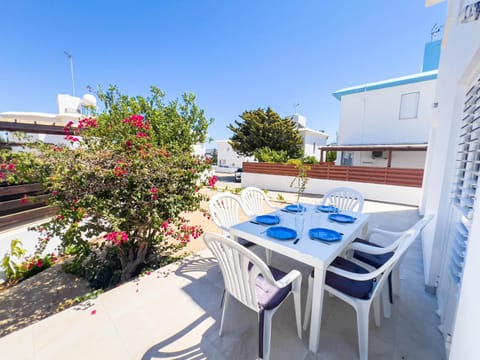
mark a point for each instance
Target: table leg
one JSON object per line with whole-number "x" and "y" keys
{"x": 317, "y": 305}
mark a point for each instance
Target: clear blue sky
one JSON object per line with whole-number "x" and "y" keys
{"x": 234, "y": 55}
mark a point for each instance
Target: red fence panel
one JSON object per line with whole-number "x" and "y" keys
{"x": 375, "y": 175}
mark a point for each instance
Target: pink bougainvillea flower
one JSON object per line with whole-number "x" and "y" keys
{"x": 154, "y": 192}
{"x": 87, "y": 123}
{"x": 54, "y": 192}
{"x": 93, "y": 312}
{"x": 11, "y": 167}
{"x": 137, "y": 121}
{"x": 24, "y": 199}
{"x": 71, "y": 138}
{"x": 117, "y": 238}
{"x": 212, "y": 181}
{"x": 141, "y": 134}
{"x": 39, "y": 263}
{"x": 67, "y": 127}
{"x": 119, "y": 171}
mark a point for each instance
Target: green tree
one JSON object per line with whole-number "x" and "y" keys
{"x": 126, "y": 178}
{"x": 265, "y": 129}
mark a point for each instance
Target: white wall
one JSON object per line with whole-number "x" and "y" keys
{"x": 312, "y": 140}
{"x": 400, "y": 159}
{"x": 409, "y": 159}
{"x": 459, "y": 65}
{"x": 29, "y": 240}
{"x": 372, "y": 117}
{"x": 199, "y": 149}
{"x": 227, "y": 157}
{"x": 378, "y": 192}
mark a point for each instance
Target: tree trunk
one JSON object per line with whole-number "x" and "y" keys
{"x": 131, "y": 260}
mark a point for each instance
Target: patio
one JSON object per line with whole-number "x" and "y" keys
{"x": 174, "y": 313}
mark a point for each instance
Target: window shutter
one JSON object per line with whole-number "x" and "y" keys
{"x": 466, "y": 178}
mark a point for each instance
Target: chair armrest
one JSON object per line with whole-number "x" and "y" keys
{"x": 374, "y": 250}
{"x": 289, "y": 278}
{"x": 352, "y": 275}
{"x": 384, "y": 232}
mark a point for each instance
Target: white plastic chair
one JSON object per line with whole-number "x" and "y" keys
{"x": 225, "y": 212}
{"x": 254, "y": 200}
{"x": 359, "y": 287}
{"x": 262, "y": 289}
{"x": 344, "y": 198}
{"x": 372, "y": 256}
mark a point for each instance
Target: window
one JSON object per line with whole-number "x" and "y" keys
{"x": 409, "y": 106}
{"x": 347, "y": 158}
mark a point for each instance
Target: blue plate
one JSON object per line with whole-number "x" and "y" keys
{"x": 342, "y": 218}
{"x": 281, "y": 233}
{"x": 327, "y": 208}
{"x": 267, "y": 219}
{"x": 295, "y": 208}
{"x": 324, "y": 234}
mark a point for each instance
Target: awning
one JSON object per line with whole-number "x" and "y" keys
{"x": 376, "y": 147}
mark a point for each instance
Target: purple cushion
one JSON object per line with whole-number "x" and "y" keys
{"x": 269, "y": 296}
{"x": 245, "y": 243}
{"x": 355, "y": 288}
{"x": 373, "y": 260}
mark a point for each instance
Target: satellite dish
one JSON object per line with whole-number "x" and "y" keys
{"x": 88, "y": 100}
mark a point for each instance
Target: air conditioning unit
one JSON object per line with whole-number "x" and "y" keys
{"x": 377, "y": 154}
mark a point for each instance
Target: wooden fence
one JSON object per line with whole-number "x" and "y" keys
{"x": 375, "y": 175}
{"x": 21, "y": 204}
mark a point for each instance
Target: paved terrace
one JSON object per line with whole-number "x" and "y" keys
{"x": 174, "y": 313}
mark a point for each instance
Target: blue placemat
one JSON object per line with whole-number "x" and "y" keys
{"x": 327, "y": 208}
{"x": 295, "y": 208}
{"x": 267, "y": 219}
{"x": 324, "y": 234}
{"x": 342, "y": 218}
{"x": 281, "y": 233}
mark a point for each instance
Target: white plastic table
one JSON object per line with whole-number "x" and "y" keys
{"x": 311, "y": 252}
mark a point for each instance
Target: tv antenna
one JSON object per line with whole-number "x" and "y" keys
{"x": 435, "y": 32}
{"x": 71, "y": 71}
{"x": 295, "y": 106}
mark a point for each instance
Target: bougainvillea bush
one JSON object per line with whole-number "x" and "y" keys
{"x": 124, "y": 177}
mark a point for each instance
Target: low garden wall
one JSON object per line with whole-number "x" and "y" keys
{"x": 402, "y": 186}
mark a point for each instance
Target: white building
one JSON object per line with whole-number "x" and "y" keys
{"x": 391, "y": 112}
{"x": 451, "y": 243}
{"x": 228, "y": 159}
{"x": 69, "y": 109}
{"x": 312, "y": 139}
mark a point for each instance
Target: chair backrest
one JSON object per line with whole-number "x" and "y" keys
{"x": 224, "y": 210}
{"x": 403, "y": 242}
{"x": 240, "y": 268}
{"x": 253, "y": 200}
{"x": 344, "y": 198}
